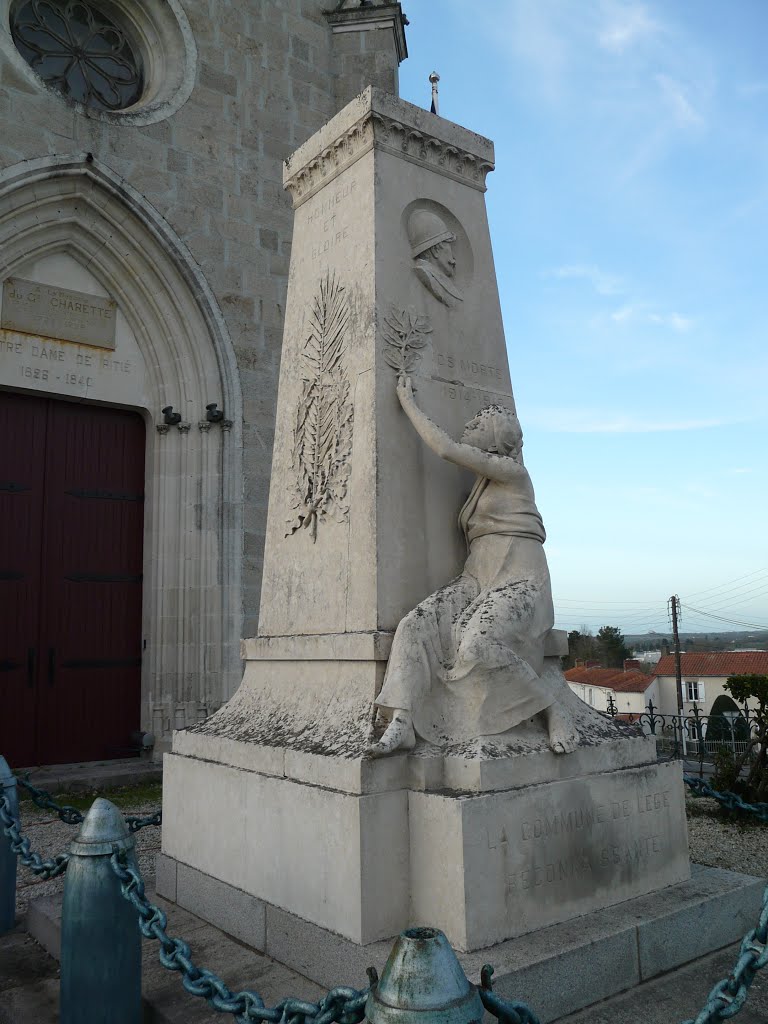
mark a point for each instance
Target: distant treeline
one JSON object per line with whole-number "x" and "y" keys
{"x": 641, "y": 642}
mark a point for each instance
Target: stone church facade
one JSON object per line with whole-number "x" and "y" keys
{"x": 145, "y": 240}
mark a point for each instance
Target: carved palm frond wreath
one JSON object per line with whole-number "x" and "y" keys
{"x": 405, "y": 334}
{"x": 322, "y": 437}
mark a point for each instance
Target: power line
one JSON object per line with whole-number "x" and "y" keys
{"x": 738, "y": 591}
{"x": 631, "y": 627}
{"x": 598, "y": 604}
{"x": 727, "y": 584}
{"x": 753, "y": 595}
{"x": 650, "y": 616}
{"x": 721, "y": 618}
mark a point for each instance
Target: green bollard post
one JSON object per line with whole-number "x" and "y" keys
{"x": 423, "y": 983}
{"x": 100, "y": 937}
{"x": 7, "y": 856}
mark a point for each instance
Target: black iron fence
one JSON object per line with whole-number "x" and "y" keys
{"x": 695, "y": 737}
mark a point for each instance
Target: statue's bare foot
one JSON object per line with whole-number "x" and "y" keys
{"x": 398, "y": 735}
{"x": 563, "y": 735}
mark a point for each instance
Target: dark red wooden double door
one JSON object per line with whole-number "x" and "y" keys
{"x": 71, "y": 530}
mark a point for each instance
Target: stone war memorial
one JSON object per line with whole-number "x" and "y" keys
{"x": 403, "y": 748}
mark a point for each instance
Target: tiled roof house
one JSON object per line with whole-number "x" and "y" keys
{"x": 704, "y": 675}
{"x": 630, "y": 688}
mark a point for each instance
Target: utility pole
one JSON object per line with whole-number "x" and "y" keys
{"x": 674, "y": 604}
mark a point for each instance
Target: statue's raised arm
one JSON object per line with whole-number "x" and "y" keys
{"x": 469, "y": 660}
{"x": 490, "y": 446}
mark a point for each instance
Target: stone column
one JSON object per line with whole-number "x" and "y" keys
{"x": 368, "y": 47}
{"x": 362, "y": 520}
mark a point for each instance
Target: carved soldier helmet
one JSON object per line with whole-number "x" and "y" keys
{"x": 426, "y": 229}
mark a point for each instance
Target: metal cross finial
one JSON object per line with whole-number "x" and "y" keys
{"x": 434, "y": 79}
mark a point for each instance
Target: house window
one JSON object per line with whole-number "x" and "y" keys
{"x": 694, "y": 690}
{"x": 589, "y": 696}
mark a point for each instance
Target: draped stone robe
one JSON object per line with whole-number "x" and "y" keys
{"x": 468, "y": 660}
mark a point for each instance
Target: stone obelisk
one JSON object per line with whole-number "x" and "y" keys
{"x": 391, "y": 274}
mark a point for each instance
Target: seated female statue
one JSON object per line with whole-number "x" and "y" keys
{"x": 469, "y": 660}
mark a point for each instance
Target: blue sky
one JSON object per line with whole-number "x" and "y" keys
{"x": 629, "y": 217}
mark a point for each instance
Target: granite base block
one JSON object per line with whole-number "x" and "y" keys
{"x": 165, "y": 877}
{"x": 43, "y": 922}
{"x": 557, "y": 970}
{"x": 483, "y": 867}
{"x": 235, "y": 912}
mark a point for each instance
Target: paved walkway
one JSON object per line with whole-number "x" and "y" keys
{"x": 29, "y": 977}
{"x": 678, "y": 996}
{"x": 90, "y": 776}
{"x": 29, "y": 983}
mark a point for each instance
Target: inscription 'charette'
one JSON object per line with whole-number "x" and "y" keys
{"x": 34, "y": 308}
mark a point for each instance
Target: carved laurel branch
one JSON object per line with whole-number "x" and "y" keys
{"x": 322, "y": 436}
{"x": 386, "y": 133}
{"x": 405, "y": 334}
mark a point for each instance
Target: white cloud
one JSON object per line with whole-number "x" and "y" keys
{"x": 611, "y": 285}
{"x": 602, "y": 282}
{"x": 640, "y": 314}
{"x": 673, "y": 320}
{"x": 625, "y": 25}
{"x": 678, "y": 101}
{"x": 741, "y": 469}
{"x": 619, "y": 316}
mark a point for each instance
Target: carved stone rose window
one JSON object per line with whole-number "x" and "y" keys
{"x": 79, "y": 51}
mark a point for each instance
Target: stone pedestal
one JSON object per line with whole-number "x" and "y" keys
{"x": 272, "y": 806}
{"x": 482, "y": 846}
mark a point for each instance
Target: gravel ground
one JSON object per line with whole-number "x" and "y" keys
{"x": 49, "y": 836}
{"x": 739, "y": 844}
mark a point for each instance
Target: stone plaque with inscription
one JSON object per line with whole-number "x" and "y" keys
{"x": 47, "y": 311}
{"x": 530, "y": 857}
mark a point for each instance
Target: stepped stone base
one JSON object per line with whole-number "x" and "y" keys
{"x": 472, "y": 842}
{"x": 557, "y": 970}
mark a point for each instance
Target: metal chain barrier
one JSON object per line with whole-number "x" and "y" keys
{"x": 345, "y": 1005}
{"x": 731, "y": 801}
{"x": 729, "y": 995}
{"x": 41, "y": 798}
{"x": 22, "y": 847}
{"x": 504, "y": 1011}
{"x": 71, "y": 816}
{"x": 134, "y": 823}
{"x": 339, "y": 1006}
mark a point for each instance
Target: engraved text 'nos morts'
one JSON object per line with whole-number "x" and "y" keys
{"x": 322, "y": 436}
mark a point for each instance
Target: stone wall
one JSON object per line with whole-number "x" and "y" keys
{"x": 262, "y": 78}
